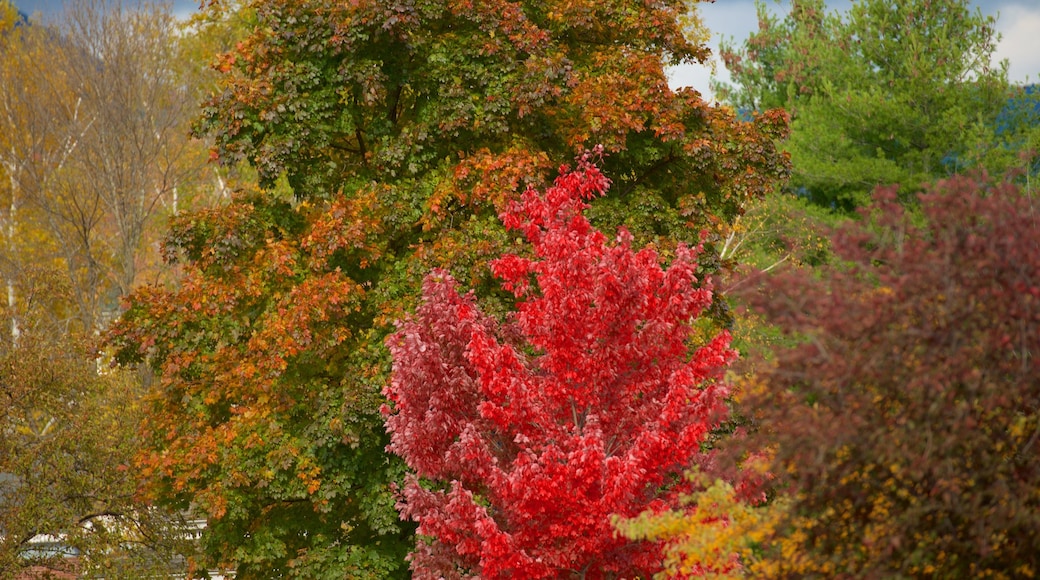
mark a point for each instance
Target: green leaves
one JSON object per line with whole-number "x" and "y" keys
{"x": 891, "y": 92}
{"x": 397, "y": 94}
{"x": 402, "y": 131}
{"x": 262, "y": 418}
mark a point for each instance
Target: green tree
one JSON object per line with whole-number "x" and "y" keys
{"x": 890, "y": 91}
{"x": 772, "y": 67}
{"x": 401, "y": 130}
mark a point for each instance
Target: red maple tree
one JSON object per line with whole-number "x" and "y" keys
{"x": 527, "y": 436}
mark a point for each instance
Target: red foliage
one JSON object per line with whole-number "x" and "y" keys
{"x": 905, "y": 412}
{"x": 528, "y": 435}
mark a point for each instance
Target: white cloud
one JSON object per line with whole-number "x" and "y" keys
{"x": 732, "y": 20}
{"x": 1019, "y": 25}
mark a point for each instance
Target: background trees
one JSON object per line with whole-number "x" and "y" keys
{"x": 95, "y": 112}
{"x": 904, "y": 413}
{"x": 387, "y": 139}
{"x": 401, "y": 132}
{"x": 894, "y": 421}
{"x": 886, "y": 387}
{"x": 66, "y": 444}
{"x": 94, "y": 152}
{"x": 889, "y": 92}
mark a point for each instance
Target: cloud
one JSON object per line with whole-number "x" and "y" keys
{"x": 731, "y": 20}
{"x": 1019, "y": 25}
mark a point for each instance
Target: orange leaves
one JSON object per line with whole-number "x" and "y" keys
{"x": 309, "y": 474}
{"x": 298, "y": 321}
{"x": 503, "y": 16}
{"x": 484, "y": 178}
{"x": 250, "y": 351}
{"x": 279, "y": 257}
{"x": 623, "y": 92}
{"x": 403, "y": 128}
{"x": 347, "y": 223}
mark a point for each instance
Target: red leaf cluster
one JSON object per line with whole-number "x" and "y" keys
{"x": 527, "y": 436}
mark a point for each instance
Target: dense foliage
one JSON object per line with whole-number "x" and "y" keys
{"x": 884, "y": 421}
{"x": 530, "y": 433}
{"x": 260, "y": 419}
{"x": 904, "y": 417}
{"x": 459, "y": 103}
{"x": 65, "y": 452}
{"x": 94, "y": 150}
{"x": 94, "y": 153}
{"x": 401, "y": 131}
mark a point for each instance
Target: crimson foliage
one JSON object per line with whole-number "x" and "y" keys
{"x": 906, "y": 416}
{"x": 526, "y": 436}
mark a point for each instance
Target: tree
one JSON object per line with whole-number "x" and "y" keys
{"x": 532, "y": 432}
{"x": 93, "y": 150}
{"x": 95, "y": 114}
{"x": 903, "y": 412}
{"x": 717, "y": 528}
{"x": 889, "y": 92}
{"x": 771, "y": 69}
{"x": 261, "y": 420}
{"x": 18, "y": 147}
{"x": 401, "y": 130}
{"x": 66, "y": 486}
{"x": 430, "y": 96}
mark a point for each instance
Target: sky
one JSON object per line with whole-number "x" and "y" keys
{"x": 1018, "y": 21}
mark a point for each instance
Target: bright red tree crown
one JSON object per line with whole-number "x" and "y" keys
{"x": 589, "y": 403}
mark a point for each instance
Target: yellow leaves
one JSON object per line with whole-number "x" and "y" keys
{"x": 696, "y": 32}
{"x": 716, "y": 535}
{"x": 1022, "y": 427}
{"x": 8, "y": 16}
{"x": 1025, "y": 571}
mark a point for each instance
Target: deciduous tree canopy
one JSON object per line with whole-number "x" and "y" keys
{"x": 66, "y": 444}
{"x": 891, "y": 91}
{"x": 402, "y": 131}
